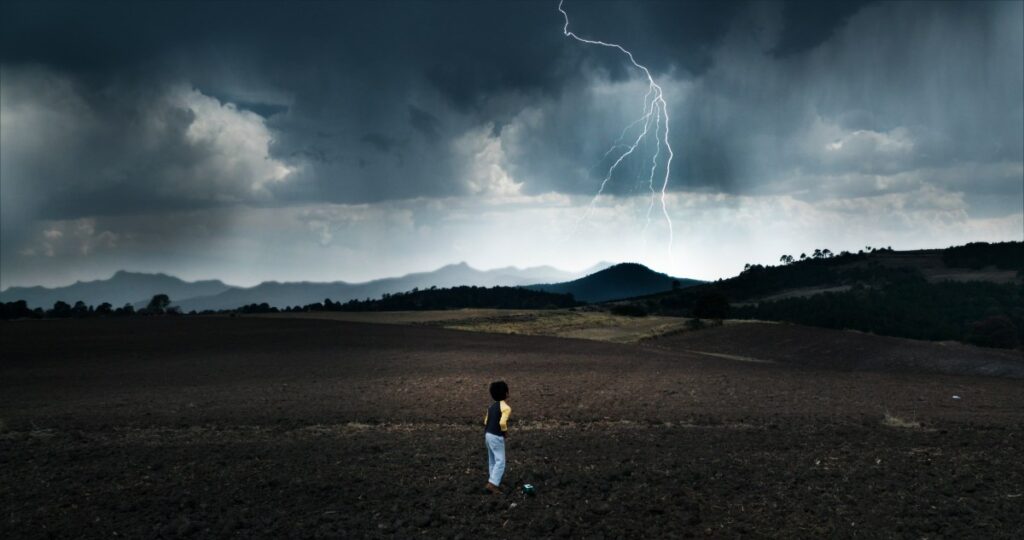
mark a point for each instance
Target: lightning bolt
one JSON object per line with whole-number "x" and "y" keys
{"x": 654, "y": 110}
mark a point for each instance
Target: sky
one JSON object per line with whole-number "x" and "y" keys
{"x": 321, "y": 141}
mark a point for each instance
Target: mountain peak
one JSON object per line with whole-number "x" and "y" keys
{"x": 619, "y": 281}
{"x": 461, "y": 265}
{"x": 627, "y": 266}
{"x": 121, "y": 274}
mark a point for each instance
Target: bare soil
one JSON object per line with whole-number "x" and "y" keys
{"x": 288, "y": 428}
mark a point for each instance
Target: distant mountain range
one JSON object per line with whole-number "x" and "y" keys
{"x": 120, "y": 289}
{"x": 137, "y": 288}
{"x": 302, "y": 293}
{"x": 626, "y": 280}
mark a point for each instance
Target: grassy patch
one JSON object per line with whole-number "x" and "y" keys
{"x": 596, "y": 325}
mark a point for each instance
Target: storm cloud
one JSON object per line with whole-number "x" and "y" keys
{"x": 116, "y": 119}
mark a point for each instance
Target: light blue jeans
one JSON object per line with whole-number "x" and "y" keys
{"x": 495, "y": 457}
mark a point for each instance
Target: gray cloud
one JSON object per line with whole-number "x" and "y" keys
{"x": 427, "y": 124}
{"x": 72, "y": 150}
{"x": 380, "y": 142}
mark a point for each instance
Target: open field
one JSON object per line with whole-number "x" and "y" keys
{"x": 289, "y": 428}
{"x": 575, "y": 323}
{"x": 441, "y": 317}
{"x": 736, "y": 339}
{"x": 581, "y": 323}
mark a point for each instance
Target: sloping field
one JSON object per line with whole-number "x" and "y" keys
{"x": 929, "y": 262}
{"x": 846, "y": 350}
{"x": 242, "y": 427}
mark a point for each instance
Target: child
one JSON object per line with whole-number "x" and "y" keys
{"x": 495, "y": 431}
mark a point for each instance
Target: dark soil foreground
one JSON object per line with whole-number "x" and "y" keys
{"x": 221, "y": 427}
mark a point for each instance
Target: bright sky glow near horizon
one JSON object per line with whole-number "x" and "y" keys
{"x": 328, "y": 141}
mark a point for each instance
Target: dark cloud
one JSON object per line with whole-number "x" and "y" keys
{"x": 806, "y": 23}
{"x": 424, "y": 122}
{"x": 415, "y": 76}
{"x": 265, "y": 110}
{"x": 380, "y": 142}
{"x": 135, "y": 108}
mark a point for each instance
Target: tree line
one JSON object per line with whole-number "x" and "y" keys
{"x": 160, "y": 304}
{"x": 414, "y": 300}
{"x": 434, "y": 298}
{"x": 978, "y": 255}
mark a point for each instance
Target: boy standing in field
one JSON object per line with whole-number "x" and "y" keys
{"x": 495, "y": 432}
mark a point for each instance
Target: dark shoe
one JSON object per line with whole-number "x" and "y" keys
{"x": 493, "y": 488}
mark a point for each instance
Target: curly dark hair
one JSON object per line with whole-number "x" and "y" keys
{"x": 499, "y": 390}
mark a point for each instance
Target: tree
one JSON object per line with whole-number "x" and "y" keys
{"x": 817, "y": 254}
{"x": 15, "y": 310}
{"x": 60, "y": 309}
{"x": 80, "y": 309}
{"x": 786, "y": 259}
{"x": 104, "y": 309}
{"x": 158, "y": 304}
{"x": 803, "y": 256}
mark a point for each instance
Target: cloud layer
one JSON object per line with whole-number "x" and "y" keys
{"x": 338, "y": 129}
